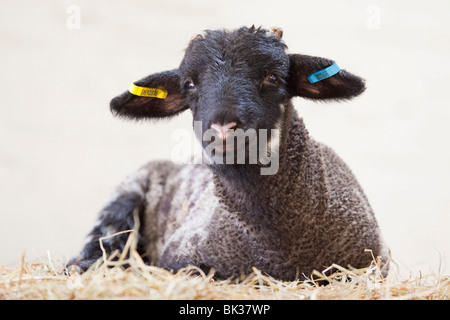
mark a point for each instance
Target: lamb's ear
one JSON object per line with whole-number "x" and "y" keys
{"x": 322, "y": 84}
{"x": 155, "y": 96}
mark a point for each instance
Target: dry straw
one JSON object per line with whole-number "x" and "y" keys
{"x": 125, "y": 276}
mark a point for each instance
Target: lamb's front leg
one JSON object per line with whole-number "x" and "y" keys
{"x": 118, "y": 215}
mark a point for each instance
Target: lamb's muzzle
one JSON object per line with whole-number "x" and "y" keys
{"x": 223, "y": 130}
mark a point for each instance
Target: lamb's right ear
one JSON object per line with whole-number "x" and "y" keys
{"x": 155, "y": 96}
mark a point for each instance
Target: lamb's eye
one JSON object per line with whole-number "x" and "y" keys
{"x": 272, "y": 80}
{"x": 189, "y": 85}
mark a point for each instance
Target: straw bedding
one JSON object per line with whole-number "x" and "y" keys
{"x": 125, "y": 276}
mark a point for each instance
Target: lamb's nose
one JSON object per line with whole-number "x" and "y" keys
{"x": 222, "y": 130}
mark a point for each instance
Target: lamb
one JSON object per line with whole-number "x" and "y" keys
{"x": 305, "y": 215}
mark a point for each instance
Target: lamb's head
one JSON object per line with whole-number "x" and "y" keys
{"x": 233, "y": 80}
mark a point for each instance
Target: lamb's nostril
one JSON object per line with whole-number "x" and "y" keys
{"x": 222, "y": 129}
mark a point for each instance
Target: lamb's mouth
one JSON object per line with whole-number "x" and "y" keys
{"x": 231, "y": 147}
{"x": 229, "y": 151}
{"x": 240, "y": 152}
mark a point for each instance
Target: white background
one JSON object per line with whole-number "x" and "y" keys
{"x": 62, "y": 152}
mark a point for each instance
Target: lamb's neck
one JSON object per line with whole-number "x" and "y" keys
{"x": 282, "y": 193}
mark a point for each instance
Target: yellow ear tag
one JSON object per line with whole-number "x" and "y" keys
{"x": 159, "y": 93}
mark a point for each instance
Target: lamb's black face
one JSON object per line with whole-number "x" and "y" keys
{"x": 235, "y": 80}
{"x": 240, "y": 80}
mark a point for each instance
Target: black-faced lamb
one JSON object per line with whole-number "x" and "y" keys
{"x": 305, "y": 212}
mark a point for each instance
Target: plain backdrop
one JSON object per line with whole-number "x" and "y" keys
{"x": 62, "y": 152}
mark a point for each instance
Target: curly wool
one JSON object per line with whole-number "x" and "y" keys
{"x": 311, "y": 214}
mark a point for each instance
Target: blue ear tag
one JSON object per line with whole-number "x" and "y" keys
{"x": 324, "y": 73}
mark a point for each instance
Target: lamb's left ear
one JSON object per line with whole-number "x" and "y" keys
{"x": 155, "y": 96}
{"x": 320, "y": 78}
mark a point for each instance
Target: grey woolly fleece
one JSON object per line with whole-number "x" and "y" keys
{"x": 309, "y": 215}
